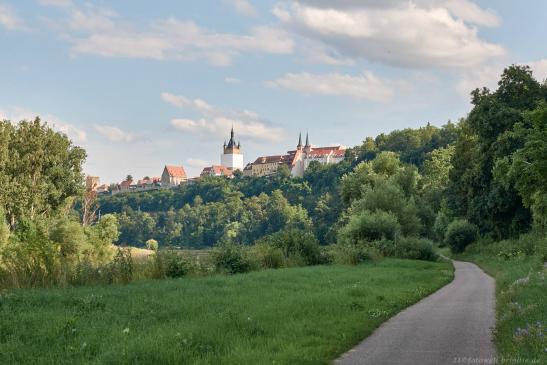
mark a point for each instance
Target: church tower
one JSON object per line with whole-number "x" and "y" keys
{"x": 307, "y": 146}
{"x": 232, "y": 157}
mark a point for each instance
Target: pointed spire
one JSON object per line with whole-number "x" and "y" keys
{"x": 299, "y": 140}
{"x": 307, "y": 141}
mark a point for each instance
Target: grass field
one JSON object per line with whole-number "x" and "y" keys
{"x": 304, "y": 315}
{"x": 521, "y": 300}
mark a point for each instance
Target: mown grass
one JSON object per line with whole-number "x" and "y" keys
{"x": 521, "y": 297}
{"x": 304, "y": 315}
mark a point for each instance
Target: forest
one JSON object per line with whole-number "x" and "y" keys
{"x": 485, "y": 174}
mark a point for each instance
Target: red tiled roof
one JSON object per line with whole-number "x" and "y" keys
{"x": 176, "y": 171}
{"x": 216, "y": 170}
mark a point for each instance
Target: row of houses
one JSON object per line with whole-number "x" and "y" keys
{"x": 231, "y": 160}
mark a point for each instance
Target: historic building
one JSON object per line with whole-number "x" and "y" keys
{"x": 296, "y": 160}
{"x": 304, "y": 155}
{"x": 266, "y": 165}
{"x": 173, "y": 176}
{"x": 232, "y": 158}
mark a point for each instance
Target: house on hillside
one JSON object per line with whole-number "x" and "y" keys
{"x": 173, "y": 176}
{"x": 266, "y": 165}
{"x": 217, "y": 170}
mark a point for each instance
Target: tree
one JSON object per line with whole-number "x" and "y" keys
{"x": 460, "y": 234}
{"x": 44, "y": 170}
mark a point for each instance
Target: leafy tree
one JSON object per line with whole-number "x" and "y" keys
{"x": 460, "y": 234}
{"x": 44, "y": 170}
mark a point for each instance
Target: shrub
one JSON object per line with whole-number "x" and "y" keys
{"x": 298, "y": 246}
{"x": 415, "y": 248}
{"x": 122, "y": 266}
{"x": 459, "y": 234}
{"x": 268, "y": 256}
{"x": 152, "y": 244}
{"x": 348, "y": 254}
{"x": 231, "y": 258}
{"x": 175, "y": 265}
{"x": 385, "y": 247}
{"x": 369, "y": 226}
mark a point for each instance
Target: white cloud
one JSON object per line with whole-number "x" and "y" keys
{"x": 100, "y": 31}
{"x": 9, "y": 19}
{"x": 197, "y": 163}
{"x": 218, "y": 122}
{"x": 57, "y": 3}
{"x": 539, "y": 69}
{"x": 413, "y": 34}
{"x": 183, "y": 102}
{"x": 366, "y": 86}
{"x": 471, "y": 12}
{"x": 243, "y": 7}
{"x": 17, "y": 114}
{"x": 114, "y": 134}
{"x": 232, "y": 80}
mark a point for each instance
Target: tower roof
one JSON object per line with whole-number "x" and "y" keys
{"x": 307, "y": 141}
{"x": 299, "y": 140}
{"x": 232, "y": 142}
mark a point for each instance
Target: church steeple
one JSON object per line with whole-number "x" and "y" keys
{"x": 307, "y": 147}
{"x": 299, "y": 145}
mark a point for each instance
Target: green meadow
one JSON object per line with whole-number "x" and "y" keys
{"x": 305, "y": 315}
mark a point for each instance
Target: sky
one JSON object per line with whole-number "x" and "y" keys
{"x": 141, "y": 84}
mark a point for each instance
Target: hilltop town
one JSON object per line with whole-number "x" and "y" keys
{"x": 231, "y": 164}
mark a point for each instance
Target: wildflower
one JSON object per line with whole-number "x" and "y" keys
{"x": 126, "y": 331}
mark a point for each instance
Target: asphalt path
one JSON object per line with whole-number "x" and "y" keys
{"x": 452, "y": 326}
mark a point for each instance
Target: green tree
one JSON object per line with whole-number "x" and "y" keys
{"x": 44, "y": 170}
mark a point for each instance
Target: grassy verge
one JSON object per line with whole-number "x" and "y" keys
{"x": 302, "y": 315}
{"x": 521, "y": 298}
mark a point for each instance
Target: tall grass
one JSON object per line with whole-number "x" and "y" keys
{"x": 521, "y": 294}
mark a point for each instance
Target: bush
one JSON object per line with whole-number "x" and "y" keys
{"x": 122, "y": 266}
{"x": 415, "y": 248}
{"x": 268, "y": 256}
{"x": 459, "y": 234}
{"x": 175, "y": 264}
{"x": 369, "y": 226}
{"x": 347, "y": 254}
{"x": 298, "y": 246}
{"x": 152, "y": 244}
{"x": 231, "y": 258}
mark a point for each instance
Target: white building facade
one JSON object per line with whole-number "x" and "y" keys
{"x": 232, "y": 158}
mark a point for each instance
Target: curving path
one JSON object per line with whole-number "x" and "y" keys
{"x": 452, "y": 326}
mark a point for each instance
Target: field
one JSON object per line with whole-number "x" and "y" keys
{"x": 304, "y": 315}
{"x": 521, "y": 298}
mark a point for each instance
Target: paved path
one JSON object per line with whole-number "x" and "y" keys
{"x": 451, "y": 326}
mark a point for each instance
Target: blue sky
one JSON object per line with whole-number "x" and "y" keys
{"x": 141, "y": 84}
